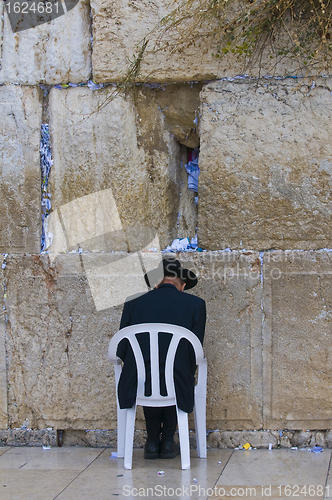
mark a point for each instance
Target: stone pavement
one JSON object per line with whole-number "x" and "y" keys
{"x": 72, "y": 473}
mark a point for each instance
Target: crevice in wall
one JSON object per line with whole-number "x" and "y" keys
{"x": 179, "y": 104}
{"x": 187, "y": 216}
{"x": 60, "y": 437}
{"x": 91, "y": 41}
{"x": 261, "y": 258}
{"x": 2, "y": 25}
{"x": 4, "y": 284}
{"x": 4, "y": 355}
{"x": 46, "y": 163}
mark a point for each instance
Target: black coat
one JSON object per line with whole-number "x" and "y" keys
{"x": 166, "y": 304}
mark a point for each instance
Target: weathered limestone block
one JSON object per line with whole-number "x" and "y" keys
{"x": 329, "y": 439}
{"x": 116, "y": 181}
{"x": 319, "y": 439}
{"x": 180, "y": 107}
{"x": 54, "y": 52}
{"x": 266, "y": 161}
{"x": 121, "y": 26}
{"x": 101, "y": 438}
{"x": 3, "y": 369}
{"x": 230, "y": 284}
{"x": 59, "y": 375}
{"x": 297, "y": 373}
{"x": 94, "y": 438}
{"x": 20, "y": 215}
{"x": 285, "y": 439}
{"x": 180, "y": 104}
{"x": 28, "y": 437}
{"x": 234, "y": 439}
{"x": 302, "y": 439}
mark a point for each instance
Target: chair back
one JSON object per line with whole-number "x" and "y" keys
{"x": 178, "y": 333}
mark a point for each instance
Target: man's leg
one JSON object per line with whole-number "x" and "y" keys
{"x": 154, "y": 417}
{"x": 169, "y": 420}
{"x": 168, "y": 449}
{"x": 153, "y": 428}
{"x": 153, "y": 422}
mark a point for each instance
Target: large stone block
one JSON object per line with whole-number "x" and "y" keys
{"x": 28, "y": 437}
{"x": 266, "y": 161}
{"x": 59, "y": 375}
{"x": 55, "y": 52}
{"x": 230, "y": 284}
{"x": 116, "y": 182}
{"x": 180, "y": 104}
{"x": 20, "y": 215}
{"x": 120, "y": 27}
{"x": 297, "y": 304}
{"x": 3, "y": 368}
{"x": 234, "y": 439}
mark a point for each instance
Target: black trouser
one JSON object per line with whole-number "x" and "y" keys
{"x": 160, "y": 420}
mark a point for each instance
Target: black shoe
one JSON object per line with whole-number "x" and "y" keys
{"x": 169, "y": 449}
{"x": 151, "y": 450}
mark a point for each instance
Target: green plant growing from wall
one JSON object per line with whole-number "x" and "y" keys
{"x": 252, "y": 30}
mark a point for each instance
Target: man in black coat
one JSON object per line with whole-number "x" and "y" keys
{"x": 164, "y": 304}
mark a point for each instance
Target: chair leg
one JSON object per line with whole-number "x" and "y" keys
{"x": 121, "y": 424}
{"x": 197, "y": 433}
{"x": 129, "y": 438}
{"x": 200, "y": 427}
{"x": 184, "y": 438}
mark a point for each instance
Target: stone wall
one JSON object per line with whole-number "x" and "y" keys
{"x": 119, "y": 194}
{"x": 267, "y": 339}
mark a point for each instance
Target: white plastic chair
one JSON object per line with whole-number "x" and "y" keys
{"x": 126, "y": 418}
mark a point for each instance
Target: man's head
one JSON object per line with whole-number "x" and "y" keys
{"x": 177, "y": 282}
{"x": 171, "y": 271}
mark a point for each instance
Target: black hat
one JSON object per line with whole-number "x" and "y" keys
{"x": 170, "y": 267}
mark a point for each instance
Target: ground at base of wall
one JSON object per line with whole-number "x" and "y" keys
{"x": 216, "y": 439}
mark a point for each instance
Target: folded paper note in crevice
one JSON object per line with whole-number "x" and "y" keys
{"x": 192, "y": 169}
